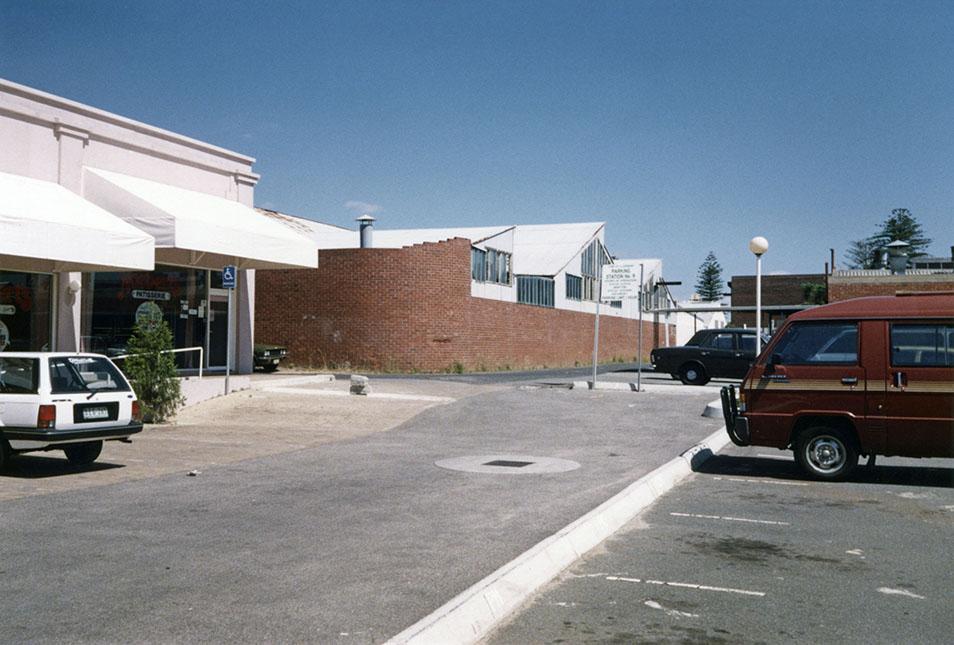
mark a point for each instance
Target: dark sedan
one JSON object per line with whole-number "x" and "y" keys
{"x": 267, "y": 357}
{"x": 710, "y": 353}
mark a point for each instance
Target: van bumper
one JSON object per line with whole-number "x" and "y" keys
{"x": 736, "y": 425}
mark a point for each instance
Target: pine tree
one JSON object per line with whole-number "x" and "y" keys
{"x": 709, "y": 284}
{"x": 868, "y": 253}
{"x": 904, "y": 227}
{"x": 864, "y": 254}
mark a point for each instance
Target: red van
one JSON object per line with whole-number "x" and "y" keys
{"x": 869, "y": 376}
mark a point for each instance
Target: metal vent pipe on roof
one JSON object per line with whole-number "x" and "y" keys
{"x": 366, "y": 226}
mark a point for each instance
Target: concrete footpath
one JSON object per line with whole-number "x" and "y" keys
{"x": 349, "y": 541}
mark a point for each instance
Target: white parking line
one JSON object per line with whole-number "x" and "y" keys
{"x": 899, "y": 592}
{"x": 759, "y": 481}
{"x": 670, "y": 612}
{"x": 778, "y": 457}
{"x": 730, "y": 519}
{"x": 687, "y": 585}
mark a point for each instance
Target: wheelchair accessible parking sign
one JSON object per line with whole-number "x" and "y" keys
{"x": 228, "y": 276}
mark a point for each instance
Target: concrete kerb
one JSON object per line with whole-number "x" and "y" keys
{"x": 713, "y": 409}
{"x": 282, "y": 381}
{"x": 472, "y": 614}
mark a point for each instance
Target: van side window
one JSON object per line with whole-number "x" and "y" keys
{"x": 819, "y": 344}
{"x": 19, "y": 375}
{"x": 930, "y": 345}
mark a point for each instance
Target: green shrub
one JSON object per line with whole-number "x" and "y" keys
{"x": 153, "y": 374}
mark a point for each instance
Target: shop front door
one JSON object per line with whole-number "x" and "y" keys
{"x": 218, "y": 331}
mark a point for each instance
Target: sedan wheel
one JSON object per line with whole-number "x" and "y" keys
{"x": 693, "y": 374}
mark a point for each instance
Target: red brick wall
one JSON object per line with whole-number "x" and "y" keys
{"x": 776, "y": 290}
{"x": 411, "y": 309}
{"x": 846, "y": 287}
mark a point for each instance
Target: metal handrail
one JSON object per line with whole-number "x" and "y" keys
{"x": 173, "y": 351}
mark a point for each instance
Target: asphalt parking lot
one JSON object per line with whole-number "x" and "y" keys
{"x": 748, "y": 551}
{"x": 348, "y": 540}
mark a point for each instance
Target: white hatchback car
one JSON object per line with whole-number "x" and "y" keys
{"x": 62, "y": 401}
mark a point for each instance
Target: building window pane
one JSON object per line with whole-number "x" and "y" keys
{"x": 535, "y": 290}
{"x": 574, "y": 287}
{"x": 25, "y": 311}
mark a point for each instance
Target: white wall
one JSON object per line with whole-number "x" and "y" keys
{"x": 51, "y": 138}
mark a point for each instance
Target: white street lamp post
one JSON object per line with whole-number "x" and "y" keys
{"x": 758, "y": 245}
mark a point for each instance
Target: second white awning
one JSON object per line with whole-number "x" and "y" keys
{"x": 197, "y": 229}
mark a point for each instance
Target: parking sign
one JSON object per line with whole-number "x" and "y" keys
{"x": 228, "y": 276}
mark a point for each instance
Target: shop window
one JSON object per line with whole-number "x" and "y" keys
{"x": 26, "y": 319}
{"x": 114, "y": 302}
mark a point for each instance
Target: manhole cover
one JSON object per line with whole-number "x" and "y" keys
{"x": 508, "y": 464}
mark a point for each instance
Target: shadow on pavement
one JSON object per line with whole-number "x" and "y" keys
{"x": 36, "y": 467}
{"x": 735, "y": 466}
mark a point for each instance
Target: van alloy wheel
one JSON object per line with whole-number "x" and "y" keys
{"x": 826, "y": 453}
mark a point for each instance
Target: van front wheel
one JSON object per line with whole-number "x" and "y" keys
{"x": 83, "y": 454}
{"x": 826, "y": 453}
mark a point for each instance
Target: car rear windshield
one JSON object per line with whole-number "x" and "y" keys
{"x": 818, "y": 344}
{"x": 19, "y": 375}
{"x": 85, "y": 374}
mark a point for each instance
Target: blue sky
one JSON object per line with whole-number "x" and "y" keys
{"x": 686, "y": 126}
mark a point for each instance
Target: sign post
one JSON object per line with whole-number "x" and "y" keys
{"x": 621, "y": 282}
{"x": 639, "y": 345}
{"x": 229, "y": 272}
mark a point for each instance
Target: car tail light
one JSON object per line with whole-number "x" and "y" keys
{"x": 136, "y": 411}
{"x": 46, "y": 417}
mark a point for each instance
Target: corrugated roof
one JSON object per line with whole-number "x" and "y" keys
{"x": 539, "y": 249}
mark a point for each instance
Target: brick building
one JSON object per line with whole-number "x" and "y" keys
{"x": 507, "y": 297}
{"x": 843, "y": 285}
{"x": 782, "y": 295}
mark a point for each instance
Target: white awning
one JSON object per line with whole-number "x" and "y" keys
{"x": 196, "y": 229}
{"x": 46, "y": 227}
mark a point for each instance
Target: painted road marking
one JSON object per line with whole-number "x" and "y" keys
{"x": 899, "y": 592}
{"x": 687, "y": 585}
{"x": 778, "y": 457}
{"x": 759, "y": 481}
{"x": 670, "y": 612}
{"x": 730, "y": 519}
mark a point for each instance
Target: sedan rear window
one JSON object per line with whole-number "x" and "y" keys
{"x": 818, "y": 344}
{"x": 85, "y": 374}
{"x": 19, "y": 375}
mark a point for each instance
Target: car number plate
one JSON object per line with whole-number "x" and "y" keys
{"x": 274, "y": 361}
{"x": 91, "y": 414}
